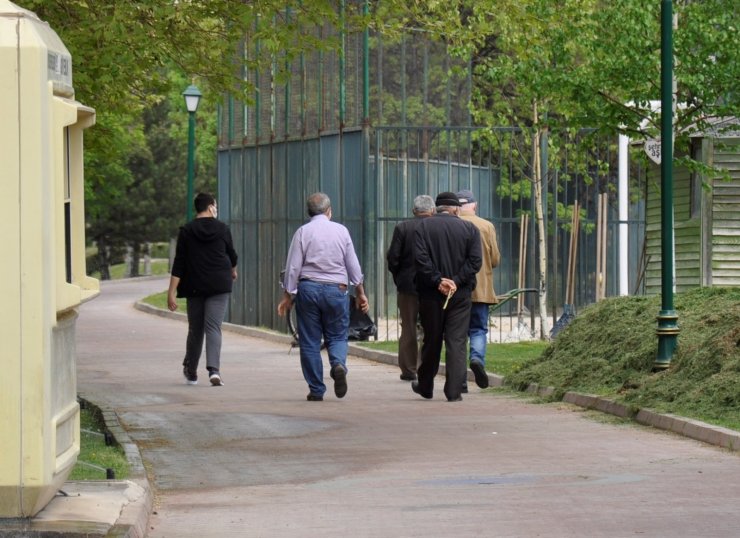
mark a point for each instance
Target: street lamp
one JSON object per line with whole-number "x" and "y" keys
{"x": 667, "y": 317}
{"x": 192, "y": 97}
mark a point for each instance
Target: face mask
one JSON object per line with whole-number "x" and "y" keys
{"x": 214, "y": 211}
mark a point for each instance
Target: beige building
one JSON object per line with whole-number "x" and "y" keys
{"x": 42, "y": 268}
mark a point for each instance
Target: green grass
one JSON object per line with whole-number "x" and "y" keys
{"x": 501, "y": 359}
{"x": 93, "y": 450}
{"x": 159, "y": 300}
{"x": 159, "y": 268}
{"x": 610, "y": 347}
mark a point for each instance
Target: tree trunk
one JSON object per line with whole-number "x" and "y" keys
{"x": 103, "y": 259}
{"x": 135, "y": 257}
{"x": 541, "y": 234}
{"x": 147, "y": 259}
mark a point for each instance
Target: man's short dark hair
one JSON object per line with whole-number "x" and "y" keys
{"x": 317, "y": 204}
{"x": 202, "y": 201}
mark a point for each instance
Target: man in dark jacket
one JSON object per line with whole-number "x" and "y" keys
{"x": 203, "y": 272}
{"x": 402, "y": 265}
{"x": 448, "y": 256}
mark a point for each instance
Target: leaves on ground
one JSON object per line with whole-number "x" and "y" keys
{"x": 610, "y": 347}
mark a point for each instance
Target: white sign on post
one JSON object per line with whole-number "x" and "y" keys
{"x": 652, "y": 148}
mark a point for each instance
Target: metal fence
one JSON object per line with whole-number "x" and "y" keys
{"x": 367, "y": 79}
{"x": 496, "y": 164}
{"x": 377, "y": 121}
{"x": 372, "y": 177}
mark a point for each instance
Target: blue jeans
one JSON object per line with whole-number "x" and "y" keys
{"x": 478, "y": 332}
{"x": 322, "y": 310}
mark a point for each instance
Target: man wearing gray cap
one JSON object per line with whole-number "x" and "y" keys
{"x": 448, "y": 256}
{"x": 483, "y": 296}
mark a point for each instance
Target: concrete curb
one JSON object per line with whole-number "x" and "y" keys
{"x": 695, "y": 429}
{"x": 134, "y": 519}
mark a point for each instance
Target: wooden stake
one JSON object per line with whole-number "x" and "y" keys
{"x": 574, "y": 231}
{"x": 523, "y": 229}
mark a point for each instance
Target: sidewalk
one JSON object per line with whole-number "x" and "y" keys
{"x": 253, "y": 458}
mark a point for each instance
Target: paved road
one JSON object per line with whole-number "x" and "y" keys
{"x": 255, "y": 459}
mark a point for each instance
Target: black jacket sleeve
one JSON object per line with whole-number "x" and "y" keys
{"x": 178, "y": 265}
{"x": 393, "y": 255}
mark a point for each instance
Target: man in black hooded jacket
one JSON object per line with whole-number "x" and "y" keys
{"x": 203, "y": 272}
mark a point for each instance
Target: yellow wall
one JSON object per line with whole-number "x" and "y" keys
{"x": 40, "y": 146}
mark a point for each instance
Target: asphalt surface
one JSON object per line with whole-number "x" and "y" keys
{"x": 255, "y": 459}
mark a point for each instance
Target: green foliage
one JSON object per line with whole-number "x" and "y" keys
{"x": 589, "y": 64}
{"x": 160, "y": 250}
{"x": 131, "y": 61}
{"x": 597, "y": 64}
{"x": 118, "y": 271}
{"x": 121, "y": 51}
{"x": 142, "y": 176}
{"x": 610, "y": 347}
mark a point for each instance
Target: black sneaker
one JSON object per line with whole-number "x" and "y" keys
{"x": 191, "y": 378}
{"x": 481, "y": 377}
{"x": 339, "y": 375}
{"x": 314, "y": 398}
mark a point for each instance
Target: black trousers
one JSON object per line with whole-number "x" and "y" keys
{"x": 451, "y": 327}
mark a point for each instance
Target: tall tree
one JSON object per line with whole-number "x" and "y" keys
{"x": 541, "y": 65}
{"x": 120, "y": 49}
{"x": 124, "y": 55}
{"x": 145, "y": 201}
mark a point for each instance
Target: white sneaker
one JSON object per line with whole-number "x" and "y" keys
{"x": 215, "y": 379}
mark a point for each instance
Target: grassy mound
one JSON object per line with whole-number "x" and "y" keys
{"x": 610, "y": 347}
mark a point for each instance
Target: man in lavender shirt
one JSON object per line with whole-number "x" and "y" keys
{"x": 321, "y": 264}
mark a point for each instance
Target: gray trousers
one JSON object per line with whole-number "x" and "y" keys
{"x": 205, "y": 316}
